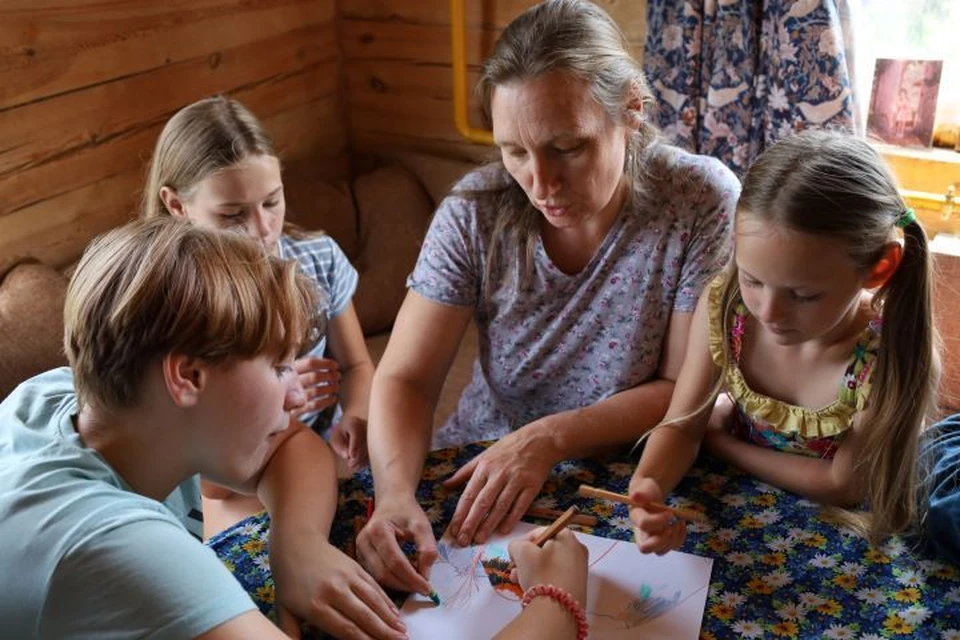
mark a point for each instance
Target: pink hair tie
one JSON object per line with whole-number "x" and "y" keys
{"x": 564, "y": 598}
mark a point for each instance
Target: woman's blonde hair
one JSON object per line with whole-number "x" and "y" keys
{"x": 838, "y": 186}
{"x": 160, "y": 286}
{"x": 578, "y": 38}
{"x": 200, "y": 140}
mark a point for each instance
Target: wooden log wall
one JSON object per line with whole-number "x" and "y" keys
{"x": 85, "y": 87}
{"x": 396, "y": 56}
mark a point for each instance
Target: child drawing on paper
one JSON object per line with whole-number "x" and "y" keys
{"x": 648, "y": 603}
{"x": 482, "y": 613}
{"x": 820, "y": 335}
{"x": 626, "y": 591}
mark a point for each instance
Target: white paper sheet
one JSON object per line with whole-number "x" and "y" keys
{"x": 629, "y": 594}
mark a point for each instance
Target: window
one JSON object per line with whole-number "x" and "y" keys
{"x": 913, "y": 29}
{"x": 918, "y": 30}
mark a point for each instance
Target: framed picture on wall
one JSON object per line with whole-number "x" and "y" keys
{"x": 903, "y": 102}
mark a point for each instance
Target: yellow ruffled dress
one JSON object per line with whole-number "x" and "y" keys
{"x": 771, "y": 423}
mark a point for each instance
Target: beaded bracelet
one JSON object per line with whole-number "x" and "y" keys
{"x": 565, "y": 599}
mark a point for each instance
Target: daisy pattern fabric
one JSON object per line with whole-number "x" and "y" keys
{"x": 779, "y": 570}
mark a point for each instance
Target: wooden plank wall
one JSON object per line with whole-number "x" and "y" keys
{"x": 86, "y": 85}
{"x": 397, "y": 65}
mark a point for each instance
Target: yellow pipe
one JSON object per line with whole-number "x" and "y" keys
{"x": 458, "y": 51}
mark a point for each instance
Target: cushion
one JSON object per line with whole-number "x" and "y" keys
{"x": 315, "y": 204}
{"x": 31, "y": 322}
{"x": 438, "y": 174}
{"x": 393, "y": 211}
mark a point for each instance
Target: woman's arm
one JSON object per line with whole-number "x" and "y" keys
{"x": 503, "y": 480}
{"x": 624, "y": 416}
{"x": 406, "y": 386}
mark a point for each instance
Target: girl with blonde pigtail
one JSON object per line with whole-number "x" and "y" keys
{"x": 819, "y": 336}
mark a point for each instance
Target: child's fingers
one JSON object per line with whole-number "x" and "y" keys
{"x": 659, "y": 535}
{"x": 650, "y": 521}
{"x": 532, "y": 535}
{"x": 317, "y": 402}
{"x": 313, "y": 363}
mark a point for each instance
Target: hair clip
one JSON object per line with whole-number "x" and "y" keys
{"x": 906, "y": 218}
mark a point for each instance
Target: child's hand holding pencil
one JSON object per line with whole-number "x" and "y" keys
{"x": 561, "y": 561}
{"x": 658, "y": 527}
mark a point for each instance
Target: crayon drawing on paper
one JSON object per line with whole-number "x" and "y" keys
{"x": 628, "y": 592}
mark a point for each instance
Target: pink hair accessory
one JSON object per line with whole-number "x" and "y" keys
{"x": 565, "y": 599}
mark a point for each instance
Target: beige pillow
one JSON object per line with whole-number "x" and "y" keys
{"x": 314, "y": 204}
{"x": 393, "y": 210}
{"x": 31, "y": 322}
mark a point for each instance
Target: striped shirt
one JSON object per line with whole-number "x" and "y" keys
{"x": 323, "y": 261}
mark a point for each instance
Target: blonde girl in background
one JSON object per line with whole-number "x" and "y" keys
{"x": 216, "y": 165}
{"x": 820, "y": 335}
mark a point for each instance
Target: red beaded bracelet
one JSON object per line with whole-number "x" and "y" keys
{"x": 564, "y": 598}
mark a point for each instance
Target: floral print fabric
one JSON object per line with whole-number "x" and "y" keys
{"x": 779, "y": 570}
{"x": 732, "y": 77}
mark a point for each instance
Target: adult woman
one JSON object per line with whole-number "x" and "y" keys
{"x": 580, "y": 257}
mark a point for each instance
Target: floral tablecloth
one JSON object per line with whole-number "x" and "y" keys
{"x": 779, "y": 571}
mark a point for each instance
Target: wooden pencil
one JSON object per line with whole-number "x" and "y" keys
{"x": 555, "y": 528}
{"x": 684, "y": 514}
{"x": 582, "y": 519}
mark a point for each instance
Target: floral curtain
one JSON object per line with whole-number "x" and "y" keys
{"x": 733, "y": 76}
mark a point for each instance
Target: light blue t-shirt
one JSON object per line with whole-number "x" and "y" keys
{"x": 82, "y": 555}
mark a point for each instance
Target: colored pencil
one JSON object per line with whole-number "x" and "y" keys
{"x": 684, "y": 514}
{"x": 555, "y": 528}
{"x": 582, "y": 519}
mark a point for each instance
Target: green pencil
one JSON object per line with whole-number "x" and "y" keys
{"x": 434, "y": 597}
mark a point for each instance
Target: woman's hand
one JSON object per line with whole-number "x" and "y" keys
{"x": 503, "y": 481}
{"x": 561, "y": 562}
{"x": 320, "y": 378}
{"x": 378, "y": 545}
{"x": 655, "y": 531}
{"x": 348, "y": 439}
{"x": 339, "y": 598}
